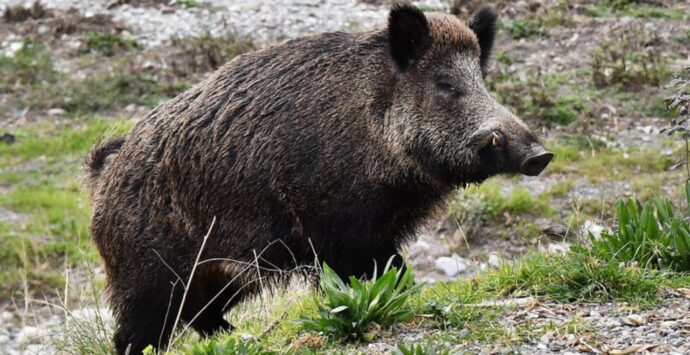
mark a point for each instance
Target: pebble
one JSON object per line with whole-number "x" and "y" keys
{"x": 494, "y": 261}
{"x": 6, "y": 316}
{"x": 262, "y": 20}
{"x": 451, "y": 266}
{"x": 56, "y": 112}
{"x": 30, "y": 335}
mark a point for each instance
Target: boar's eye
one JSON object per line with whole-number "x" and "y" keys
{"x": 448, "y": 89}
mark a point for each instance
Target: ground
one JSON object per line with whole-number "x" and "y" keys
{"x": 588, "y": 76}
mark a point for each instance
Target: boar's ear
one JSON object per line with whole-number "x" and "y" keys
{"x": 408, "y": 34}
{"x": 483, "y": 24}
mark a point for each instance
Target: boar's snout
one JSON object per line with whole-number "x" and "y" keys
{"x": 536, "y": 161}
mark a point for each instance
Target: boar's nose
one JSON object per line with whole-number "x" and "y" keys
{"x": 534, "y": 164}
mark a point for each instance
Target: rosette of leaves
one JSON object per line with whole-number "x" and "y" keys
{"x": 351, "y": 311}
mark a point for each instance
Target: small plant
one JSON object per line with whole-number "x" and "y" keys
{"x": 428, "y": 349}
{"x": 631, "y": 61}
{"x": 19, "y": 13}
{"x": 349, "y": 311}
{"x": 206, "y": 53}
{"x": 188, "y": 3}
{"x": 108, "y": 44}
{"x": 679, "y": 100}
{"x": 30, "y": 65}
{"x": 225, "y": 346}
{"x": 525, "y": 28}
{"x": 651, "y": 234}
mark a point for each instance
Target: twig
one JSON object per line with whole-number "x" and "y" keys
{"x": 189, "y": 282}
{"x": 272, "y": 325}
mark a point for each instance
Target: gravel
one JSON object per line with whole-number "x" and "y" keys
{"x": 264, "y": 21}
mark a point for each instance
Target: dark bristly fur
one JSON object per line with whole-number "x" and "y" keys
{"x": 96, "y": 159}
{"x": 483, "y": 23}
{"x": 336, "y": 144}
{"x": 408, "y": 33}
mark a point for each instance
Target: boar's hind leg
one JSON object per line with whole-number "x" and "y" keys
{"x": 142, "y": 313}
{"x": 212, "y": 300}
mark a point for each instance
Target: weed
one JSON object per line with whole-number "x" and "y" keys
{"x": 538, "y": 98}
{"x": 30, "y": 65}
{"x": 227, "y": 345}
{"x": 427, "y": 349}
{"x": 349, "y": 311}
{"x": 525, "y": 28}
{"x": 19, "y": 13}
{"x": 629, "y": 62}
{"x": 650, "y": 234}
{"x": 206, "y": 53}
{"x": 109, "y": 44}
{"x": 188, "y": 3}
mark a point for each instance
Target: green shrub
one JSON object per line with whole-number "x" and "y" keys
{"x": 428, "y": 349}
{"x": 109, "y": 44}
{"x": 19, "y": 13}
{"x": 30, "y": 65}
{"x": 649, "y": 233}
{"x": 348, "y": 311}
{"x": 630, "y": 62}
{"x": 525, "y": 28}
{"x": 225, "y": 346}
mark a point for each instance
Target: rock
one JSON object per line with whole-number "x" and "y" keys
{"x": 494, "y": 261}
{"x": 558, "y": 248}
{"x": 30, "y": 335}
{"x": 592, "y": 227}
{"x": 551, "y": 228}
{"x": 633, "y": 320}
{"x": 6, "y": 316}
{"x": 451, "y": 266}
{"x": 56, "y": 112}
{"x": 14, "y": 48}
{"x": 612, "y": 323}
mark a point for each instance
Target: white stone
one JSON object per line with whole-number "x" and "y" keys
{"x": 592, "y": 227}
{"x": 56, "y": 112}
{"x": 451, "y": 266}
{"x": 494, "y": 261}
{"x": 30, "y": 335}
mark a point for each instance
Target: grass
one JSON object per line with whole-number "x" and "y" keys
{"x": 39, "y": 172}
{"x": 634, "y": 9}
{"x": 31, "y": 78}
{"x": 32, "y": 81}
{"x": 525, "y": 28}
{"x": 541, "y": 99}
{"x": 108, "y": 43}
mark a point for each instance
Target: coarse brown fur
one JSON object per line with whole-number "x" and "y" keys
{"x": 320, "y": 146}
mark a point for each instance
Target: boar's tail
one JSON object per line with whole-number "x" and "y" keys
{"x": 96, "y": 160}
